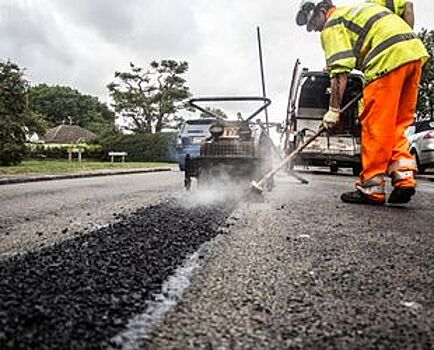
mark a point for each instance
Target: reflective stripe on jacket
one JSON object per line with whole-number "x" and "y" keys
{"x": 396, "y": 6}
{"x": 370, "y": 38}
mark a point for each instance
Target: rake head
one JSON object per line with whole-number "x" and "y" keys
{"x": 256, "y": 187}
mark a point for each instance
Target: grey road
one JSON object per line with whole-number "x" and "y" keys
{"x": 37, "y": 213}
{"x": 297, "y": 269}
{"x": 304, "y": 271}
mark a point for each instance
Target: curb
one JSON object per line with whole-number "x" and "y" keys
{"x": 37, "y": 178}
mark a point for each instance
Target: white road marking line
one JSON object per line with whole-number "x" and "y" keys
{"x": 140, "y": 327}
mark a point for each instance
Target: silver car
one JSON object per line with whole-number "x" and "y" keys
{"x": 421, "y": 138}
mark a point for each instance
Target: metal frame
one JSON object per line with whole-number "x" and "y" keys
{"x": 267, "y": 102}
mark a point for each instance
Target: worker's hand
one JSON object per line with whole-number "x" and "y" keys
{"x": 331, "y": 118}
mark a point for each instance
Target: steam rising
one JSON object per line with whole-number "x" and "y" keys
{"x": 217, "y": 190}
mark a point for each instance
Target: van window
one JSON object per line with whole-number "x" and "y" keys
{"x": 314, "y": 92}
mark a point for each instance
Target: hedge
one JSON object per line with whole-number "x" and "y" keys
{"x": 61, "y": 152}
{"x": 140, "y": 148}
{"x": 158, "y": 147}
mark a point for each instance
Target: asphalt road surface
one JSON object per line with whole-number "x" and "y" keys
{"x": 295, "y": 270}
{"x": 34, "y": 214}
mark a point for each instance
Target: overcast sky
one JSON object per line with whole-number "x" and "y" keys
{"x": 81, "y": 43}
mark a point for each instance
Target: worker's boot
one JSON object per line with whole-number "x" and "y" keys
{"x": 401, "y": 195}
{"x": 403, "y": 186}
{"x": 402, "y": 173}
{"x": 368, "y": 191}
{"x": 358, "y": 197}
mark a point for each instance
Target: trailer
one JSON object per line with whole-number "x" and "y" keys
{"x": 237, "y": 149}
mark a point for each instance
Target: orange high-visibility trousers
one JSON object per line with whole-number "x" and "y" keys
{"x": 389, "y": 109}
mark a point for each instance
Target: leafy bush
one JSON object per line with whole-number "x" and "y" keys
{"x": 12, "y": 148}
{"x": 12, "y": 114}
{"x": 140, "y": 147}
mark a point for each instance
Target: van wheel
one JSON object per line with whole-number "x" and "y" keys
{"x": 357, "y": 169}
{"x": 334, "y": 169}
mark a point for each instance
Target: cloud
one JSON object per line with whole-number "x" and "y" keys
{"x": 81, "y": 43}
{"x": 162, "y": 27}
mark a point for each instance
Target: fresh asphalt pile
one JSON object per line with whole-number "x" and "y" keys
{"x": 80, "y": 293}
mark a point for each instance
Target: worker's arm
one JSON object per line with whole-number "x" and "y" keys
{"x": 340, "y": 59}
{"x": 408, "y": 14}
{"x": 338, "y": 84}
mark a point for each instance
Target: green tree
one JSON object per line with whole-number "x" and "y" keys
{"x": 150, "y": 99}
{"x": 62, "y": 104}
{"x": 425, "y": 107}
{"x": 14, "y": 117}
{"x": 216, "y": 111}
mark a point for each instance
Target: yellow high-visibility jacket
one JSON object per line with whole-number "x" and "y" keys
{"x": 396, "y": 6}
{"x": 370, "y": 38}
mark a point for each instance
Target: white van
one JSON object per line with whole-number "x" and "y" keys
{"x": 339, "y": 148}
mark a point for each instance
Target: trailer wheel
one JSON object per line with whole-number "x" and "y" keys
{"x": 187, "y": 184}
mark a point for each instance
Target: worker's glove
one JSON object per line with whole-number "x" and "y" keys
{"x": 331, "y": 118}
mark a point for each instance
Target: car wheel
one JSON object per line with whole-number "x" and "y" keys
{"x": 334, "y": 169}
{"x": 420, "y": 169}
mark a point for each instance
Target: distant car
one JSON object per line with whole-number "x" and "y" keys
{"x": 421, "y": 138}
{"x": 190, "y": 136}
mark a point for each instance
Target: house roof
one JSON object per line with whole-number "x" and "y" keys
{"x": 68, "y": 134}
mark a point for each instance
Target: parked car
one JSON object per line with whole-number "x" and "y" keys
{"x": 421, "y": 139}
{"x": 308, "y": 102}
{"x": 190, "y": 136}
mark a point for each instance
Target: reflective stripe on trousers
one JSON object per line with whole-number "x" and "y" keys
{"x": 402, "y": 164}
{"x": 402, "y": 172}
{"x": 374, "y": 187}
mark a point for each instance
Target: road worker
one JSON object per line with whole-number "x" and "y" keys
{"x": 371, "y": 38}
{"x": 402, "y": 8}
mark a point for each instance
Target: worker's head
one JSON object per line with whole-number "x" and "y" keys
{"x": 313, "y": 14}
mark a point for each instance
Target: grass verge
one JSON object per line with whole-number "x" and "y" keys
{"x": 61, "y": 166}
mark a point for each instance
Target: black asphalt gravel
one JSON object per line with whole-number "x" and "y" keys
{"x": 80, "y": 293}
